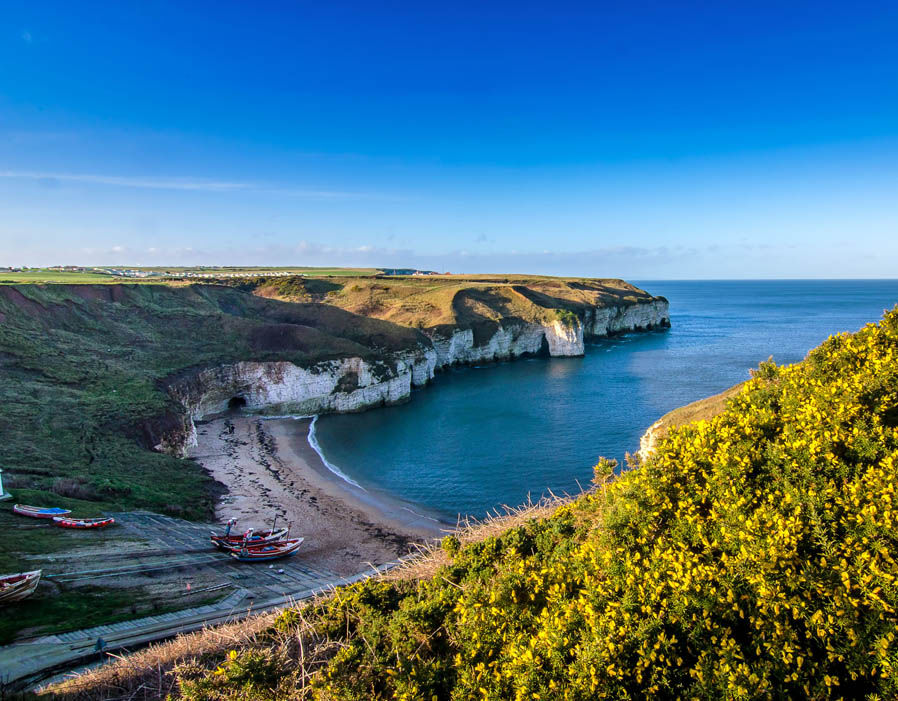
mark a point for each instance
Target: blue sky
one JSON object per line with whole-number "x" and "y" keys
{"x": 642, "y": 140}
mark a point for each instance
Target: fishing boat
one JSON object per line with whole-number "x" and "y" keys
{"x": 251, "y": 538}
{"x": 82, "y": 523}
{"x": 236, "y": 541}
{"x": 15, "y": 587}
{"x": 270, "y": 551}
{"x": 40, "y": 511}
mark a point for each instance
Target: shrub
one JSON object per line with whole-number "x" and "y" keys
{"x": 250, "y": 674}
{"x": 451, "y": 545}
{"x": 568, "y": 318}
{"x": 17, "y": 482}
{"x": 73, "y": 488}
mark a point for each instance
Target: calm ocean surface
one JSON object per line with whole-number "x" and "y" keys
{"x": 481, "y": 437}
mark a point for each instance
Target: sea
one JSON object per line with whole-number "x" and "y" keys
{"x": 480, "y": 438}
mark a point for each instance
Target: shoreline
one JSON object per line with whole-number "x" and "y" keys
{"x": 378, "y": 504}
{"x": 271, "y": 471}
{"x": 387, "y": 507}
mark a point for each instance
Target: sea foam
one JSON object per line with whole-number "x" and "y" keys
{"x": 313, "y": 441}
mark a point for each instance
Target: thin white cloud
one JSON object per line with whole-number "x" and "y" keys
{"x": 26, "y": 37}
{"x": 130, "y": 181}
{"x": 617, "y": 261}
{"x": 175, "y": 183}
{"x": 624, "y": 261}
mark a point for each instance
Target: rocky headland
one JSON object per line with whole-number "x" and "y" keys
{"x": 356, "y": 383}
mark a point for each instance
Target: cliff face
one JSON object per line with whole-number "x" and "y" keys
{"x": 556, "y": 338}
{"x": 647, "y": 441}
{"x": 346, "y": 385}
{"x": 605, "y": 321}
{"x": 353, "y": 384}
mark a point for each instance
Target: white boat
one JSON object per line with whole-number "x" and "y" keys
{"x": 15, "y": 587}
{"x": 40, "y": 511}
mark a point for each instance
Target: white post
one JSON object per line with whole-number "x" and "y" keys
{"x": 1, "y": 483}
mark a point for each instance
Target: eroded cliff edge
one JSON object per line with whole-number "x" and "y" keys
{"x": 702, "y": 409}
{"x": 531, "y": 325}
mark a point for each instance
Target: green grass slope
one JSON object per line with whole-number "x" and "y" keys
{"x": 753, "y": 556}
{"x": 82, "y": 367}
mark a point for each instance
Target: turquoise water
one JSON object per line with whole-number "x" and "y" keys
{"x": 481, "y": 437}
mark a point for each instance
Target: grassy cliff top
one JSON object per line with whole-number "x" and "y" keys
{"x": 752, "y": 556}
{"x": 444, "y": 302}
{"x": 435, "y": 302}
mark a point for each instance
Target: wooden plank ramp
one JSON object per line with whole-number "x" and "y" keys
{"x": 179, "y": 544}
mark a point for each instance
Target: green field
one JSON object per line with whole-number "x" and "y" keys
{"x": 45, "y": 275}
{"x": 42, "y": 275}
{"x": 323, "y": 272}
{"x": 231, "y": 270}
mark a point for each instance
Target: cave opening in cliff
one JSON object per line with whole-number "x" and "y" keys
{"x": 235, "y": 403}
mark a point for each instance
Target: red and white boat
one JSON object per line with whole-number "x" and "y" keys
{"x": 40, "y": 511}
{"x": 270, "y": 551}
{"x": 15, "y": 587}
{"x": 250, "y": 538}
{"x": 82, "y": 523}
{"x": 232, "y": 542}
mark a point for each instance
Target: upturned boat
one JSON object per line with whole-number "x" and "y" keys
{"x": 270, "y": 551}
{"x": 15, "y": 587}
{"x": 40, "y": 511}
{"x": 82, "y": 523}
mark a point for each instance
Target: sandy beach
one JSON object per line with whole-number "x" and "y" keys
{"x": 270, "y": 469}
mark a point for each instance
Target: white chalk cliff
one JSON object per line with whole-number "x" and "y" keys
{"x": 647, "y": 442}
{"x": 354, "y": 384}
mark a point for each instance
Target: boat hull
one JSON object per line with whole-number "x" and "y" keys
{"x": 16, "y": 587}
{"x": 265, "y": 553}
{"x": 82, "y": 524}
{"x": 39, "y": 512}
{"x": 236, "y": 542}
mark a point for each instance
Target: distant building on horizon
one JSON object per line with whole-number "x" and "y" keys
{"x": 407, "y": 271}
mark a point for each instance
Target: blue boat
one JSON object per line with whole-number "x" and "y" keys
{"x": 40, "y": 511}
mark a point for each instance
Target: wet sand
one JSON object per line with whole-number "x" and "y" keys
{"x": 271, "y": 470}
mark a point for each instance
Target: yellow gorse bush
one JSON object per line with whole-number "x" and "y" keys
{"x": 752, "y": 556}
